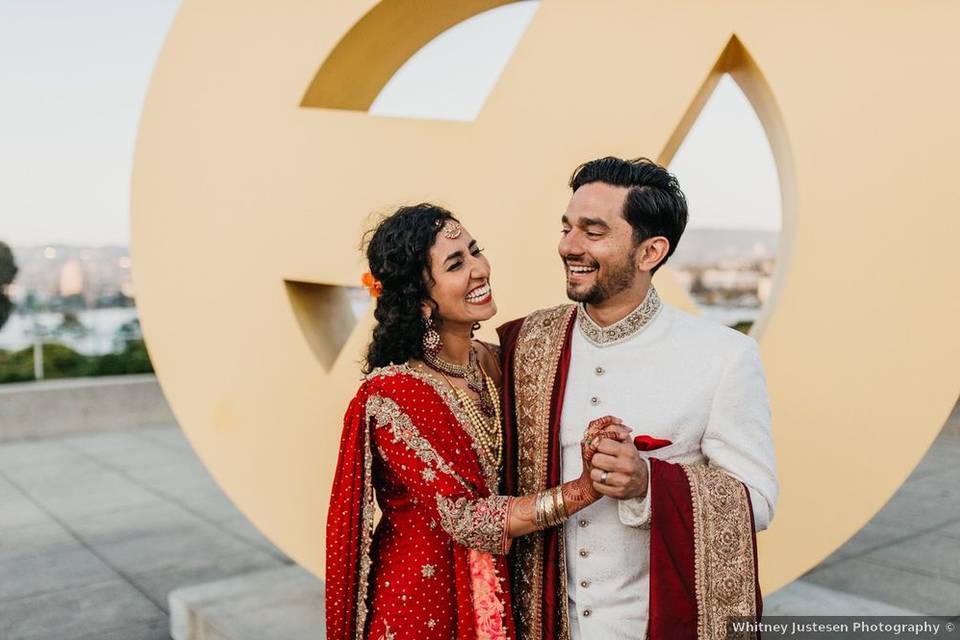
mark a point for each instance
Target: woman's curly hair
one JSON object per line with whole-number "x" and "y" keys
{"x": 398, "y": 252}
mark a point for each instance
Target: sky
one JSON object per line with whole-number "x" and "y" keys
{"x": 74, "y": 73}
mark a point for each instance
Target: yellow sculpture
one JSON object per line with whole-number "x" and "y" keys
{"x": 257, "y": 166}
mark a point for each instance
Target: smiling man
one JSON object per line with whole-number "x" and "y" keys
{"x": 672, "y": 549}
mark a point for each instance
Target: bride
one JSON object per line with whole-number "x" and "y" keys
{"x": 423, "y": 437}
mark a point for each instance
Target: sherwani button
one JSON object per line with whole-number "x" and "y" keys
{"x": 584, "y": 583}
{"x": 594, "y": 400}
{"x": 584, "y": 523}
{"x": 586, "y": 613}
{"x": 584, "y": 553}
{"x": 599, "y": 371}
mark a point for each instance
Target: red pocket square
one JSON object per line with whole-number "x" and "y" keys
{"x": 649, "y": 443}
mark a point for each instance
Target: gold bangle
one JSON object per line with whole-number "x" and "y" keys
{"x": 557, "y": 499}
{"x": 561, "y": 505}
{"x": 550, "y": 509}
{"x": 554, "y": 511}
{"x": 541, "y": 510}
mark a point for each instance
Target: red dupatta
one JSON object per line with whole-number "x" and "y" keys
{"x": 350, "y": 527}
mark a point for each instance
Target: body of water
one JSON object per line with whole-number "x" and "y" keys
{"x": 98, "y": 337}
{"x": 101, "y": 325}
{"x": 730, "y": 316}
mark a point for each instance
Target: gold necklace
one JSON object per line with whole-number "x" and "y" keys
{"x": 471, "y": 372}
{"x": 487, "y": 431}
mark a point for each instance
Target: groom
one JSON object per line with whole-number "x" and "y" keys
{"x": 673, "y": 549}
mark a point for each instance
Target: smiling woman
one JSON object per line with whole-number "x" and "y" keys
{"x": 424, "y": 431}
{"x": 415, "y": 266}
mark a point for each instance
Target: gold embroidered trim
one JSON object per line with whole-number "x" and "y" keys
{"x": 491, "y": 474}
{"x": 537, "y": 357}
{"x": 387, "y": 634}
{"x": 621, "y": 330}
{"x": 723, "y": 550}
{"x": 388, "y": 414}
{"x": 535, "y": 370}
{"x": 476, "y": 524}
{"x": 564, "y": 630}
{"x": 368, "y": 511}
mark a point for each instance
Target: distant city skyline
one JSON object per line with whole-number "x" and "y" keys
{"x": 75, "y": 76}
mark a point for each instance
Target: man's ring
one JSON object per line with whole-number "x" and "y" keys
{"x": 603, "y": 478}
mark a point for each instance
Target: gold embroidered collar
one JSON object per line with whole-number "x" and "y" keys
{"x": 621, "y": 330}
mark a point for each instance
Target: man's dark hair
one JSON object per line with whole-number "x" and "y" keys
{"x": 655, "y": 205}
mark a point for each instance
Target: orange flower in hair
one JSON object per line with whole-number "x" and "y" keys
{"x": 374, "y": 286}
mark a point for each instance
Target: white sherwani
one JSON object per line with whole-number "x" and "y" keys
{"x": 700, "y": 385}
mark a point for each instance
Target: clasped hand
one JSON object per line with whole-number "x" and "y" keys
{"x": 609, "y": 454}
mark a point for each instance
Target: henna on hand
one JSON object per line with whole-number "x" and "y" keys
{"x": 591, "y": 436}
{"x": 599, "y": 423}
{"x": 590, "y": 446}
{"x": 578, "y": 494}
{"x": 525, "y": 508}
{"x": 599, "y": 429}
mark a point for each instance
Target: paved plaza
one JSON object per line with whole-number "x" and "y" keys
{"x": 905, "y": 561}
{"x": 96, "y": 530}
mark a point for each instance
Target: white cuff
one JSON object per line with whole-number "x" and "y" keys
{"x": 635, "y": 512}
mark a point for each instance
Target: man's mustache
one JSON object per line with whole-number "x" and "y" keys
{"x": 580, "y": 263}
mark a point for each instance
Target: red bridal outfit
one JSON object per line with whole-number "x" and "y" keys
{"x": 435, "y": 566}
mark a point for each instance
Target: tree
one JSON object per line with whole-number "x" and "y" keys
{"x": 71, "y": 325}
{"x": 8, "y": 271}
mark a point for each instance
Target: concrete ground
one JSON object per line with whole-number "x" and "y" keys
{"x": 96, "y": 530}
{"x": 905, "y": 561}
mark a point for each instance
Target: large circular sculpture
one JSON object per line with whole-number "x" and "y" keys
{"x": 257, "y": 166}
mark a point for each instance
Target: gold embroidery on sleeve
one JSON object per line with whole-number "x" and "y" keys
{"x": 476, "y": 524}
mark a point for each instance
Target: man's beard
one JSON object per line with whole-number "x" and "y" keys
{"x": 616, "y": 278}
